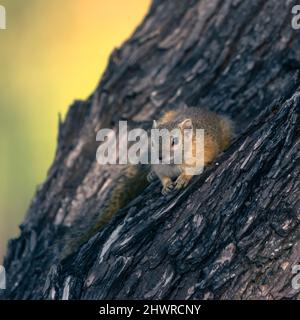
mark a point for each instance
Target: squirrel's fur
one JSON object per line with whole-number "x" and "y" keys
{"x": 218, "y": 132}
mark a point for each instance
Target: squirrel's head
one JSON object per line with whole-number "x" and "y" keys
{"x": 171, "y": 138}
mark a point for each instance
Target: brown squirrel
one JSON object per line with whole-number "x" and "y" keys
{"x": 218, "y": 132}
{"x": 133, "y": 178}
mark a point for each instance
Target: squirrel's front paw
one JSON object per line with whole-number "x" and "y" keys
{"x": 151, "y": 176}
{"x": 167, "y": 188}
{"x": 182, "y": 181}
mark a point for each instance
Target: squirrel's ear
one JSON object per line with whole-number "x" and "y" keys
{"x": 154, "y": 126}
{"x": 186, "y": 124}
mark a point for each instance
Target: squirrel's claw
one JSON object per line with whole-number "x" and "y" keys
{"x": 167, "y": 188}
{"x": 182, "y": 181}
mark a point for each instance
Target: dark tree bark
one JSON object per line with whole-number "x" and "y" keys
{"x": 233, "y": 233}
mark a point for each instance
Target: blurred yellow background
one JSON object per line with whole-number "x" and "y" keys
{"x": 51, "y": 53}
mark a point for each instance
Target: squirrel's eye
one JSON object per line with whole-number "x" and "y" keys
{"x": 175, "y": 141}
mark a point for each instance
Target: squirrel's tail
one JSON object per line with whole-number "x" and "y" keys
{"x": 131, "y": 181}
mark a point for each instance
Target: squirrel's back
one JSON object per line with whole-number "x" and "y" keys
{"x": 219, "y": 127}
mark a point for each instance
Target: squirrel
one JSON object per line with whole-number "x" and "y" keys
{"x": 218, "y": 132}
{"x": 134, "y": 178}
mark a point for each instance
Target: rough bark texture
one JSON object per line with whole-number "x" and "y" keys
{"x": 234, "y": 232}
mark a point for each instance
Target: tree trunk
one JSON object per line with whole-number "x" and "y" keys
{"x": 233, "y": 233}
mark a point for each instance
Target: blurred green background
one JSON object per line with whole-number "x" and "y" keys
{"x": 51, "y": 53}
